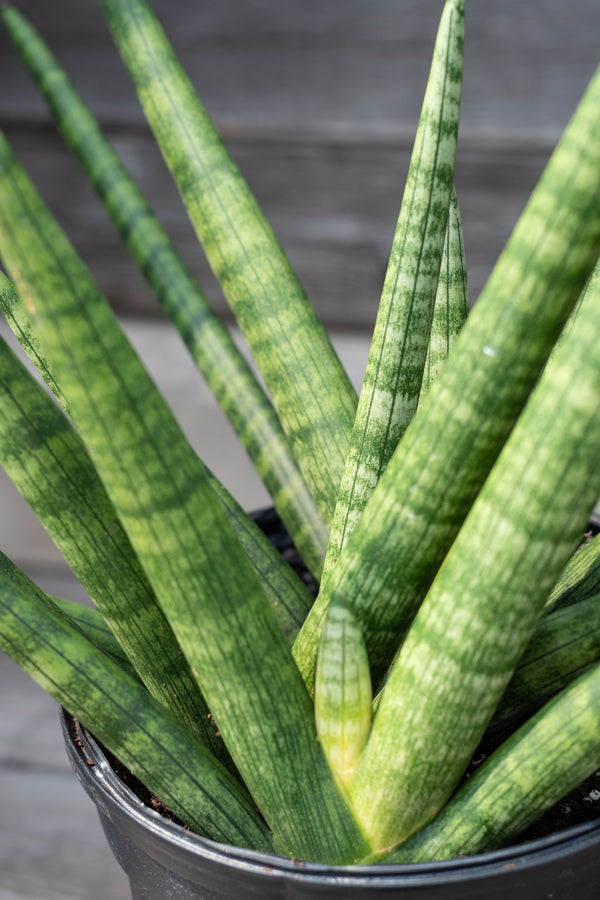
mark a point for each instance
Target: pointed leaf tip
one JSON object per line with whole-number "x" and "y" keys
{"x": 343, "y": 693}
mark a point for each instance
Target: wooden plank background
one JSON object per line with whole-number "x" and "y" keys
{"x": 318, "y": 101}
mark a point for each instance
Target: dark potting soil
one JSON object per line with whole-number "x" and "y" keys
{"x": 580, "y": 806}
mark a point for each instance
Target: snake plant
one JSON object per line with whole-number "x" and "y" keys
{"x": 439, "y": 511}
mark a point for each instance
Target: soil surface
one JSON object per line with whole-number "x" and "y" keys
{"x": 580, "y": 806}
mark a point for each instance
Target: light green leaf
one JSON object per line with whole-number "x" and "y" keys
{"x": 311, "y": 392}
{"x": 70, "y": 501}
{"x": 392, "y": 382}
{"x": 579, "y": 580}
{"x": 418, "y": 507}
{"x": 163, "y": 495}
{"x": 47, "y": 461}
{"x": 343, "y": 694}
{"x": 153, "y": 744}
{"x": 544, "y": 760}
{"x": 451, "y": 301}
{"x": 471, "y": 631}
{"x": 92, "y": 624}
{"x": 225, "y": 369}
{"x": 562, "y": 646}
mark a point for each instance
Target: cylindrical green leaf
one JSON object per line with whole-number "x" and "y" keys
{"x": 313, "y": 396}
{"x": 153, "y": 744}
{"x": 548, "y": 757}
{"x": 579, "y": 580}
{"x": 562, "y": 646}
{"x": 47, "y": 461}
{"x": 164, "y": 497}
{"x": 228, "y": 375}
{"x": 480, "y": 612}
{"x": 343, "y": 693}
{"x": 91, "y": 623}
{"x": 453, "y": 440}
{"x": 451, "y": 301}
{"x": 392, "y": 382}
{"x": 67, "y": 496}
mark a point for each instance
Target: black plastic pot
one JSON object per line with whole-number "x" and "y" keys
{"x": 164, "y": 861}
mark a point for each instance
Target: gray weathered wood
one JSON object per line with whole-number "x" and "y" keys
{"x": 333, "y": 206}
{"x": 353, "y": 64}
{"x": 319, "y": 104}
{"x": 51, "y": 843}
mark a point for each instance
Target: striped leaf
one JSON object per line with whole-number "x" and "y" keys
{"x": 77, "y": 518}
{"x": 451, "y": 301}
{"x": 85, "y": 619}
{"x": 48, "y": 463}
{"x": 313, "y": 396}
{"x": 343, "y": 694}
{"x": 203, "y": 580}
{"x": 452, "y": 442}
{"x": 562, "y": 646}
{"x": 548, "y": 757}
{"x": 392, "y": 382}
{"x": 93, "y": 625}
{"x": 579, "y": 580}
{"x": 153, "y": 744}
{"x": 480, "y": 612}
{"x": 228, "y": 375}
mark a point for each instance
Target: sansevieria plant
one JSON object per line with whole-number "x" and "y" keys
{"x": 439, "y": 511}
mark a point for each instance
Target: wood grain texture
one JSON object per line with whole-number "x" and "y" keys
{"x": 319, "y": 106}
{"x": 58, "y": 851}
{"x": 269, "y": 65}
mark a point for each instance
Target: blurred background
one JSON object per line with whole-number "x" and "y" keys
{"x": 318, "y": 101}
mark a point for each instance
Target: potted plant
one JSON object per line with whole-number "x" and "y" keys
{"x": 327, "y": 745}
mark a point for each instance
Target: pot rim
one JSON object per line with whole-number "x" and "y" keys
{"x": 97, "y": 775}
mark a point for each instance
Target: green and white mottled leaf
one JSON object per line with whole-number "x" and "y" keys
{"x": 225, "y": 369}
{"x": 541, "y": 763}
{"x": 392, "y": 382}
{"x": 152, "y": 743}
{"x": 68, "y": 498}
{"x": 480, "y": 613}
{"x": 343, "y": 693}
{"x": 311, "y": 392}
{"x": 47, "y": 461}
{"x": 452, "y": 299}
{"x": 453, "y": 440}
{"x": 199, "y": 571}
{"x": 562, "y": 646}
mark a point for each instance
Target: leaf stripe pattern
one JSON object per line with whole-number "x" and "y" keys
{"x": 228, "y": 375}
{"x": 416, "y": 510}
{"x": 312, "y": 394}
{"x": 200, "y": 573}
{"x": 398, "y": 352}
